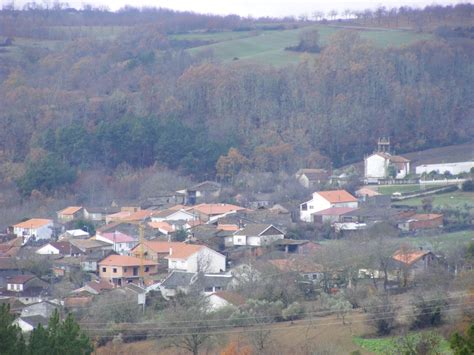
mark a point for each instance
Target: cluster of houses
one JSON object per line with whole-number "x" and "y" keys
{"x": 177, "y": 241}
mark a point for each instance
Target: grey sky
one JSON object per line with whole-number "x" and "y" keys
{"x": 254, "y": 8}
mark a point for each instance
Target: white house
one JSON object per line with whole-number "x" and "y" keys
{"x": 28, "y": 323}
{"x": 377, "y": 166}
{"x": 221, "y": 299}
{"x": 36, "y": 227}
{"x": 257, "y": 235}
{"x": 59, "y": 248}
{"x": 173, "y": 215}
{"x": 452, "y": 168}
{"x": 194, "y": 258}
{"x": 74, "y": 233}
{"x": 322, "y": 200}
{"x": 122, "y": 243}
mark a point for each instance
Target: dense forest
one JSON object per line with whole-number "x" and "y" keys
{"x": 108, "y": 89}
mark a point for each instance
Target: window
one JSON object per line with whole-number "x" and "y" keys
{"x": 304, "y": 207}
{"x": 104, "y": 269}
{"x": 311, "y": 207}
{"x": 135, "y": 271}
{"x": 114, "y": 270}
{"x": 147, "y": 268}
{"x": 124, "y": 269}
{"x": 208, "y": 289}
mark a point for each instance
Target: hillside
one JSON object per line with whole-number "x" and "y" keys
{"x": 268, "y": 47}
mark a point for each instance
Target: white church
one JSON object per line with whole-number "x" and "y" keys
{"x": 376, "y": 166}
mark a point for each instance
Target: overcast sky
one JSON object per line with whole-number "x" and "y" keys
{"x": 256, "y": 8}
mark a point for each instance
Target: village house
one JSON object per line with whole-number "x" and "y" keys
{"x": 90, "y": 262}
{"x": 89, "y": 246}
{"x": 70, "y": 213}
{"x": 323, "y": 200}
{"x": 121, "y": 269}
{"x": 421, "y": 221}
{"x": 333, "y": 215}
{"x": 74, "y": 234}
{"x": 298, "y": 247}
{"x": 28, "y": 323}
{"x": 407, "y": 264}
{"x": 222, "y": 299}
{"x": 182, "y": 281}
{"x": 8, "y": 268}
{"x": 201, "y": 192}
{"x": 11, "y": 247}
{"x": 63, "y": 248}
{"x": 43, "y": 308}
{"x": 98, "y": 214}
{"x": 182, "y": 256}
{"x": 255, "y": 235}
{"x": 172, "y": 215}
{"x": 209, "y": 212}
{"x": 121, "y": 242}
{"x": 26, "y": 288}
{"x": 377, "y": 165}
{"x": 307, "y": 270}
{"x": 312, "y": 178}
{"x": 162, "y": 227}
{"x": 95, "y": 287}
{"x": 39, "y": 228}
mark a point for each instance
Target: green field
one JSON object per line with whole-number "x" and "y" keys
{"x": 445, "y": 200}
{"x": 388, "y": 345}
{"x": 268, "y": 47}
{"x": 441, "y": 242}
{"x": 390, "y": 189}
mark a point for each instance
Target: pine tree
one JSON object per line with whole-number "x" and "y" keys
{"x": 11, "y": 339}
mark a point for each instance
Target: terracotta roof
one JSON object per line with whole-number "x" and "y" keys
{"x": 425, "y": 216}
{"x": 20, "y": 279}
{"x": 33, "y": 223}
{"x": 161, "y": 225}
{"x": 119, "y": 215}
{"x": 184, "y": 251}
{"x": 409, "y": 257}
{"x": 140, "y": 215}
{"x": 334, "y": 211}
{"x": 118, "y": 237}
{"x": 100, "y": 285}
{"x": 336, "y": 196}
{"x": 7, "y": 263}
{"x": 77, "y": 301}
{"x": 228, "y": 227}
{"x": 70, "y": 210}
{"x": 177, "y": 207}
{"x": 365, "y": 191}
{"x": 124, "y": 260}
{"x": 215, "y": 208}
{"x": 231, "y": 297}
{"x": 398, "y": 159}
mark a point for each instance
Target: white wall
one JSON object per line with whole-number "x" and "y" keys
{"x": 453, "y": 168}
{"x": 43, "y": 232}
{"x": 47, "y": 250}
{"x": 206, "y": 258}
{"x": 376, "y": 166}
{"x": 215, "y": 302}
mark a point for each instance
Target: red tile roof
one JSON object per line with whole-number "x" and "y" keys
{"x": 409, "y": 257}
{"x": 426, "y": 216}
{"x": 161, "y": 225}
{"x": 178, "y": 250}
{"x": 70, "y": 210}
{"x": 118, "y": 237}
{"x": 124, "y": 260}
{"x": 336, "y": 196}
{"x": 33, "y": 223}
{"x": 215, "y": 208}
{"x": 20, "y": 279}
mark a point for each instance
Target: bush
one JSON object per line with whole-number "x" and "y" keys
{"x": 293, "y": 311}
{"x": 468, "y": 186}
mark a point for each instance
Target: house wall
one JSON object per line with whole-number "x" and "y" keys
{"x": 426, "y": 224}
{"x": 317, "y": 203}
{"x": 43, "y": 232}
{"x": 206, "y": 259}
{"x": 125, "y": 271}
{"x": 263, "y": 240}
{"x": 239, "y": 240}
{"x": 15, "y": 287}
{"x": 215, "y": 302}
{"x": 47, "y": 250}
{"x": 304, "y": 181}
{"x": 375, "y": 166}
{"x": 24, "y": 326}
{"x": 453, "y": 168}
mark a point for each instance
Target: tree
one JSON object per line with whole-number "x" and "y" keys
{"x": 180, "y": 235}
{"x": 381, "y": 314}
{"x": 427, "y": 204}
{"x": 11, "y": 339}
{"x": 463, "y": 344}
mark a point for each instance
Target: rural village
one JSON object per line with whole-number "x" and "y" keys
{"x": 189, "y": 240}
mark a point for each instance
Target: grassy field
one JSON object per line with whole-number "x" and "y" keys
{"x": 268, "y": 47}
{"x": 390, "y": 189}
{"x": 441, "y": 242}
{"x": 388, "y": 345}
{"x": 445, "y": 200}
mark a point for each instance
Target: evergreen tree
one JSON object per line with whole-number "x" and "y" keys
{"x": 11, "y": 339}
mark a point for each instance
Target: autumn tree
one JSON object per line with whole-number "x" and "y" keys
{"x": 228, "y": 166}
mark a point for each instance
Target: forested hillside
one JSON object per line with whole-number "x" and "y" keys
{"x": 86, "y": 89}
